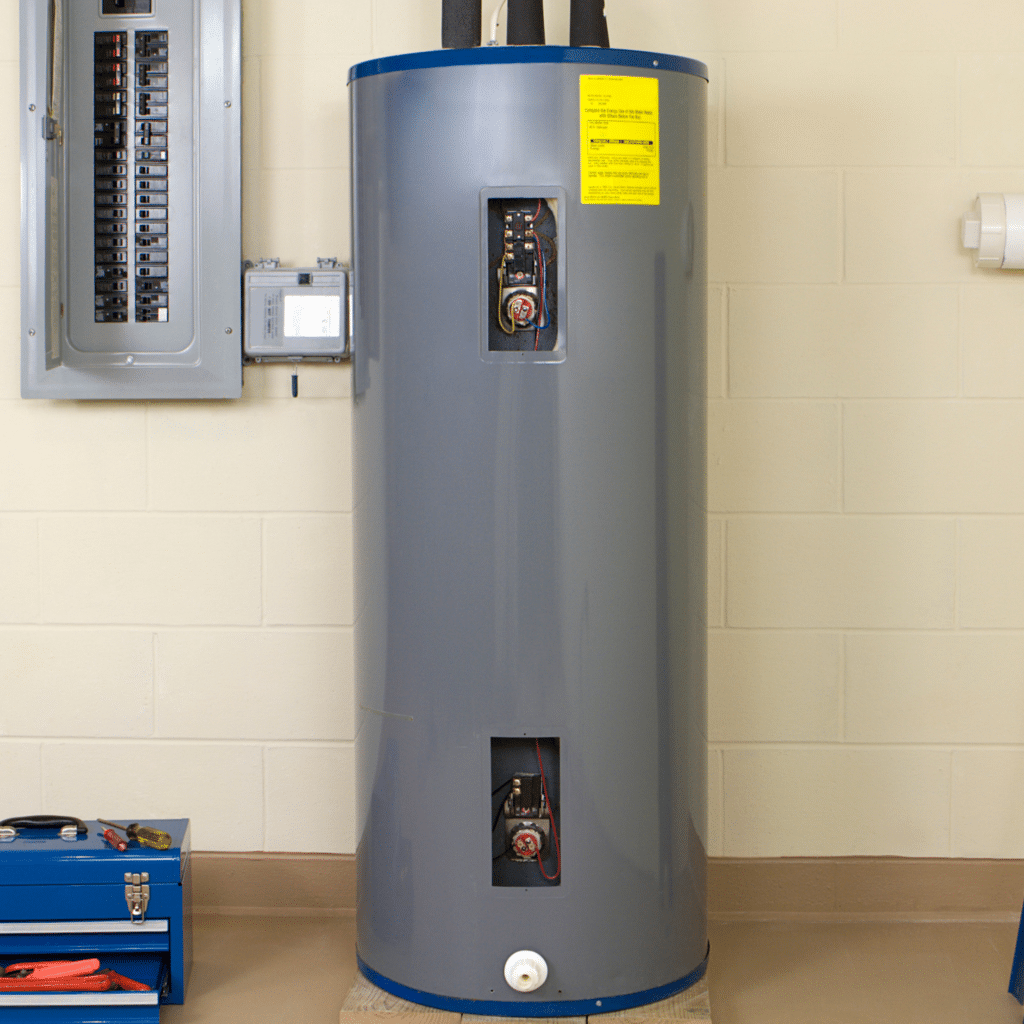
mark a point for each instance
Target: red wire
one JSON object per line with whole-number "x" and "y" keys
{"x": 540, "y": 202}
{"x": 543, "y": 285}
{"x": 551, "y": 818}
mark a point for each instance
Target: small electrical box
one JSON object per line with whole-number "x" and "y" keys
{"x": 131, "y": 209}
{"x": 296, "y": 314}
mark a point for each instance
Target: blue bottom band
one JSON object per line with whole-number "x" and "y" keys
{"x": 555, "y": 1008}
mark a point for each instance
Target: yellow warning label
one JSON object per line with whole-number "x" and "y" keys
{"x": 619, "y": 155}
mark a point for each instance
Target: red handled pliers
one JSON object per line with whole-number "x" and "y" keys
{"x": 64, "y": 976}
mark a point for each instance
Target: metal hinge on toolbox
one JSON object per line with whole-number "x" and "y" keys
{"x": 136, "y": 894}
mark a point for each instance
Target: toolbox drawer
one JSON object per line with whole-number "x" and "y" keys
{"x": 142, "y": 954}
{"x": 64, "y": 899}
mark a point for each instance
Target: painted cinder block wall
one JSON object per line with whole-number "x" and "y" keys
{"x": 175, "y": 578}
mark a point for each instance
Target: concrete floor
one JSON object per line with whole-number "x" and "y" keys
{"x": 274, "y": 969}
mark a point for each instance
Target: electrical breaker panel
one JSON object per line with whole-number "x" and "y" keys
{"x": 131, "y": 200}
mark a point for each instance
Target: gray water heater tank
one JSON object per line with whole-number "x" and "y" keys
{"x": 529, "y": 441}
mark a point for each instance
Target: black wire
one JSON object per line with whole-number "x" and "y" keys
{"x": 494, "y": 827}
{"x": 501, "y": 806}
{"x": 497, "y": 817}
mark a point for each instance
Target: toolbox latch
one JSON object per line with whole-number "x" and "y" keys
{"x": 136, "y": 894}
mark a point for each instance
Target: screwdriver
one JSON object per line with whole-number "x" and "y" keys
{"x": 115, "y": 840}
{"x": 143, "y": 834}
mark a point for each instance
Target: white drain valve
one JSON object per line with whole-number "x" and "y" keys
{"x": 526, "y": 971}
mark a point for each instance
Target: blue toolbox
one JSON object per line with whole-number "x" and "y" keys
{"x": 67, "y": 894}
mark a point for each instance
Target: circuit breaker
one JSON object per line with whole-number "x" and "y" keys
{"x": 131, "y": 219}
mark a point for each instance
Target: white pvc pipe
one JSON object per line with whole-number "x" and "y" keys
{"x": 994, "y": 229}
{"x": 493, "y": 41}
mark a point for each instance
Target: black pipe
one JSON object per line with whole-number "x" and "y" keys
{"x": 525, "y": 24}
{"x": 587, "y": 25}
{"x": 460, "y": 24}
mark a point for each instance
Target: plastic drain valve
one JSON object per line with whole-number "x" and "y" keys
{"x": 526, "y": 971}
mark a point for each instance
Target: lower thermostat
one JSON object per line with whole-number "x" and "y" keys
{"x": 526, "y": 970}
{"x": 296, "y": 314}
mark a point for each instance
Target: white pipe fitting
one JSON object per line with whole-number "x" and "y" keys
{"x": 994, "y": 229}
{"x": 526, "y": 971}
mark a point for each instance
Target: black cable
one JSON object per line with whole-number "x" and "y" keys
{"x": 501, "y": 806}
{"x": 497, "y": 817}
{"x": 494, "y": 828}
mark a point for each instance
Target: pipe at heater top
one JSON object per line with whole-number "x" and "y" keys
{"x": 587, "y": 24}
{"x": 525, "y": 24}
{"x": 460, "y": 24}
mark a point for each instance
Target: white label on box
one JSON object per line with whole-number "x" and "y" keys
{"x": 312, "y": 316}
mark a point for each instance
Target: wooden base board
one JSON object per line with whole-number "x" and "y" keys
{"x": 367, "y": 1004}
{"x": 289, "y": 883}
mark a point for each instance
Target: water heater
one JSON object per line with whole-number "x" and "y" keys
{"x": 529, "y": 442}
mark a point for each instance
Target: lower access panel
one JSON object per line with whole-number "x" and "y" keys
{"x": 131, "y": 214}
{"x": 525, "y": 812}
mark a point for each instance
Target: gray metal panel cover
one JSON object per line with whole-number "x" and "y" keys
{"x": 530, "y": 542}
{"x": 197, "y": 353}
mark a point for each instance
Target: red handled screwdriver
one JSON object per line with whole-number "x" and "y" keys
{"x": 115, "y": 840}
{"x": 143, "y": 834}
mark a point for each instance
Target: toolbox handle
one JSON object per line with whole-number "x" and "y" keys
{"x": 45, "y": 821}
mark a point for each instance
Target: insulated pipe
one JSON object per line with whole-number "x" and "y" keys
{"x": 460, "y": 24}
{"x": 587, "y": 25}
{"x": 525, "y": 25}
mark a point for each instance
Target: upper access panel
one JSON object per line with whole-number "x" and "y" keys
{"x": 131, "y": 211}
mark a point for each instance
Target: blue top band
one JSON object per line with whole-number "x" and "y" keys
{"x": 529, "y": 55}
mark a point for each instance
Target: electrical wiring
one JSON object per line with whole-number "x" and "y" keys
{"x": 544, "y": 214}
{"x": 551, "y": 818}
{"x": 543, "y": 297}
{"x": 501, "y": 277}
{"x": 551, "y": 242}
{"x": 541, "y": 319}
{"x": 543, "y": 310}
{"x": 497, "y": 817}
{"x": 501, "y": 805}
